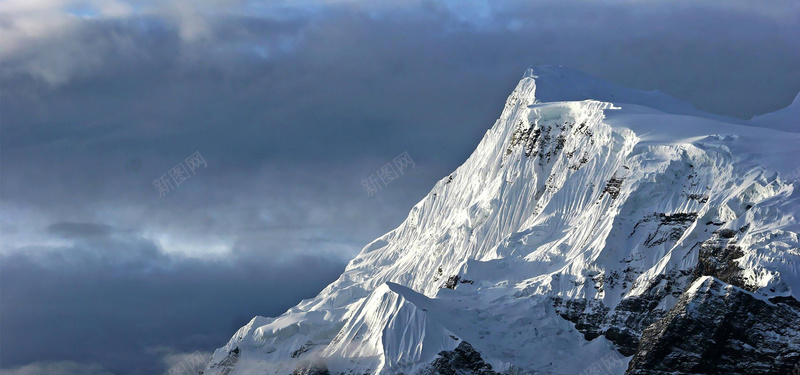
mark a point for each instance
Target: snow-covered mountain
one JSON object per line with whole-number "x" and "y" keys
{"x": 595, "y": 229}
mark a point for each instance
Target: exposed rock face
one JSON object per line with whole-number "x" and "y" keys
{"x": 300, "y": 351}
{"x": 311, "y": 369}
{"x": 452, "y": 282}
{"x": 717, "y": 328}
{"x": 225, "y": 366}
{"x": 613, "y": 187}
{"x": 718, "y": 257}
{"x": 624, "y": 325}
{"x": 669, "y": 227}
{"x": 463, "y": 360}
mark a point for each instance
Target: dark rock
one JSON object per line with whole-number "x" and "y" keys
{"x": 463, "y": 360}
{"x": 701, "y": 198}
{"x": 527, "y": 135}
{"x": 229, "y": 363}
{"x": 452, "y": 281}
{"x": 546, "y": 140}
{"x": 438, "y": 274}
{"x": 624, "y": 325}
{"x": 788, "y": 300}
{"x": 583, "y": 129}
{"x": 311, "y": 369}
{"x": 626, "y": 339}
{"x": 587, "y": 321}
{"x": 720, "y": 329}
{"x": 670, "y": 227}
{"x": 718, "y": 256}
{"x": 613, "y": 187}
{"x": 304, "y": 348}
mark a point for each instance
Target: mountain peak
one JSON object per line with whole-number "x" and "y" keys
{"x": 571, "y": 236}
{"x": 556, "y": 83}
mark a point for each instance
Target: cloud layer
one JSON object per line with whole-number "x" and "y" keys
{"x": 292, "y": 105}
{"x": 121, "y": 303}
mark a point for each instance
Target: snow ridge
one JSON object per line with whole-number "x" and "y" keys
{"x": 572, "y": 227}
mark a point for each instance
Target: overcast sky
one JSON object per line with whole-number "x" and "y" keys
{"x": 291, "y": 104}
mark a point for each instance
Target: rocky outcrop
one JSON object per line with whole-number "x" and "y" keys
{"x": 613, "y": 187}
{"x": 718, "y": 257}
{"x": 453, "y": 281}
{"x": 625, "y": 323}
{"x": 717, "y": 328}
{"x": 668, "y": 227}
{"x": 463, "y": 360}
{"x": 227, "y": 365}
{"x": 311, "y": 369}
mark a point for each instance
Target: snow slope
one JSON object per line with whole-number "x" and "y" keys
{"x": 580, "y": 219}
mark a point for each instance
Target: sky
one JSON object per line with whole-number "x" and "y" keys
{"x": 291, "y": 105}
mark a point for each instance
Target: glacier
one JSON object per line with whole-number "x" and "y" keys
{"x": 595, "y": 229}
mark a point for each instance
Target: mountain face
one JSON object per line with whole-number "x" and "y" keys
{"x": 595, "y": 229}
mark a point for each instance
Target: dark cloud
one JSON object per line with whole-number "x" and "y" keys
{"x": 125, "y": 306}
{"x": 292, "y": 109}
{"x": 56, "y": 368}
{"x": 71, "y": 230}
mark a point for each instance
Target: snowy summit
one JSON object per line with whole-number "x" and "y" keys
{"x": 595, "y": 229}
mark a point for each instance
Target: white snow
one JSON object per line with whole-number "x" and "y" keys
{"x": 519, "y": 229}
